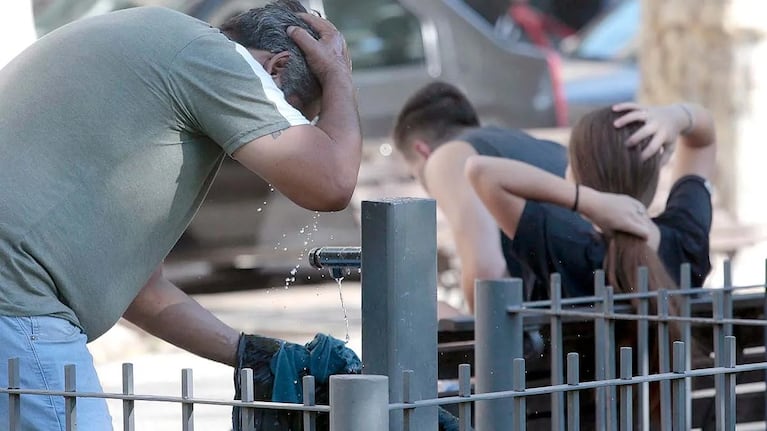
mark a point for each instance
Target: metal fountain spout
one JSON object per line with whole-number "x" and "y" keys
{"x": 336, "y": 259}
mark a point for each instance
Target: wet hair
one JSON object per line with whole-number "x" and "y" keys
{"x": 265, "y": 28}
{"x": 600, "y": 160}
{"x": 435, "y": 113}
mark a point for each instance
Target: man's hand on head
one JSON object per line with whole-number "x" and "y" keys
{"x": 327, "y": 56}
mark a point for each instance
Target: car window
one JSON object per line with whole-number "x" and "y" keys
{"x": 379, "y": 33}
{"x": 612, "y": 35}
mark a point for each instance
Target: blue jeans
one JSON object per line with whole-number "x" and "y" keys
{"x": 44, "y": 345}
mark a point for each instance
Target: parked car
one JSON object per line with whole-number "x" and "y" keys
{"x": 397, "y": 47}
{"x": 599, "y": 65}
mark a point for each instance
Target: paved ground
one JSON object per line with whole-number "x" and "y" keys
{"x": 295, "y": 314}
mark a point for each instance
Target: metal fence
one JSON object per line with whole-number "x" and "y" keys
{"x": 400, "y": 335}
{"x": 622, "y": 390}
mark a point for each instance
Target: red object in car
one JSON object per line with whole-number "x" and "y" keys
{"x": 539, "y": 27}
{"x": 557, "y": 87}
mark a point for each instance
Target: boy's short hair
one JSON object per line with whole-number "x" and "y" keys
{"x": 434, "y": 113}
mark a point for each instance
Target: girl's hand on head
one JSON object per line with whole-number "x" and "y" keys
{"x": 616, "y": 212}
{"x": 662, "y": 124}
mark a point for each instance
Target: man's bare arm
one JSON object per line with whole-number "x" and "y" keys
{"x": 475, "y": 232}
{"x": 166, "y": 312}
{"x": 316, "y": 166}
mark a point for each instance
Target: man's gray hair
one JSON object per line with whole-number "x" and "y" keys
{"x": 265, "y": 28}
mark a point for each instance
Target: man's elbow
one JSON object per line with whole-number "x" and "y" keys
{"x": 335, "y": 197}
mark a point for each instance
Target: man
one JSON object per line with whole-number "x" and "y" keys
{"x": 111, "y": 130}
{"x": 436, "y": 131}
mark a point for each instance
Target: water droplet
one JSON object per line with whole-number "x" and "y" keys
{"x": 284, "y": 249}
{"x": 259, "y": 210}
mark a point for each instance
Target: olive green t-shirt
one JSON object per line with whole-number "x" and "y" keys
{"x": 111, "y": 130}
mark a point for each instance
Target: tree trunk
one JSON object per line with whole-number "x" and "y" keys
{"x": 714, "y": 52}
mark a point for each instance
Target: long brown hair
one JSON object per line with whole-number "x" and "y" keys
{"x": 600, "y": 159}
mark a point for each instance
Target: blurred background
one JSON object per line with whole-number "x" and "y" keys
{"x": 533, "y": 64}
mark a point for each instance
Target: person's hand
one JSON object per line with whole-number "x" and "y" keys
{"x": 662, "y": 124}
{"x": 616, "y": 212}
{"x": 327, "y": 56}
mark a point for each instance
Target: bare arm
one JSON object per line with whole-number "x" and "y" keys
{"x": 504, "y": 186}
{"x": 166, "y": 312}
{"x": 475, "y": 232}
{"x": 697, "y": 153}
{"x": 315, "y": 166}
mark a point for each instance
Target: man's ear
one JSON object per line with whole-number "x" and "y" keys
{"x": 421, "y": 148}
{"x": 276, "y": 64}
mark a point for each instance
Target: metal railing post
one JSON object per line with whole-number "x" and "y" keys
{"x": 730, "y": 412}
{"x": 573, "y": 397}
{"x": 557, "y": 374}
{"x": 727, "y": 296}
{"x": 764, "y": 316}
{"x": 247, "y": 395}
{"x": 664, "y": 359}
{"x": 70, "y": 402}
{"x": 612, "y": 393}
{"x": 643, "y": 355}
{"x": 494, "y": 305}
{"x": 601, "y": 347}
{"x": 187, "y": 393}
{"x": 627, "y": 400}
{"x": 520, "y": 405}
{"x": 464, "y": 391}
{"x": 310, "y": 418}
{"x": 719, "y": 339}
{"x": 14, "y": 400}
{"x": 359, "y": 402}
{"x": 679, "y": 388}
{"x": 399, "y": 300}
{"x": 685, "y": 310}
{"x": 407, "y": 398}
{"x": 129, "y": 423}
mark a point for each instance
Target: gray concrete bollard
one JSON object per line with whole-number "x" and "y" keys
{"x": 359, "y": 402}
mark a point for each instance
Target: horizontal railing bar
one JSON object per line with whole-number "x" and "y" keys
{"x": 653, "y": 294}
{"x": 622, "y": 316}
{"x": 170, "y": 399}
{"x": 547, "y": 390}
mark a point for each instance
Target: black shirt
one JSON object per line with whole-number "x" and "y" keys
{"x": 549, "y": 240}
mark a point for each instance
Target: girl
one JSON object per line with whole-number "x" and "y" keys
{"x": 615, "y": 159}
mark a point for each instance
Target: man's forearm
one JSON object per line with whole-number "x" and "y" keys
{"x": 166, "y": 312}
{"x": 339, "y": 119}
